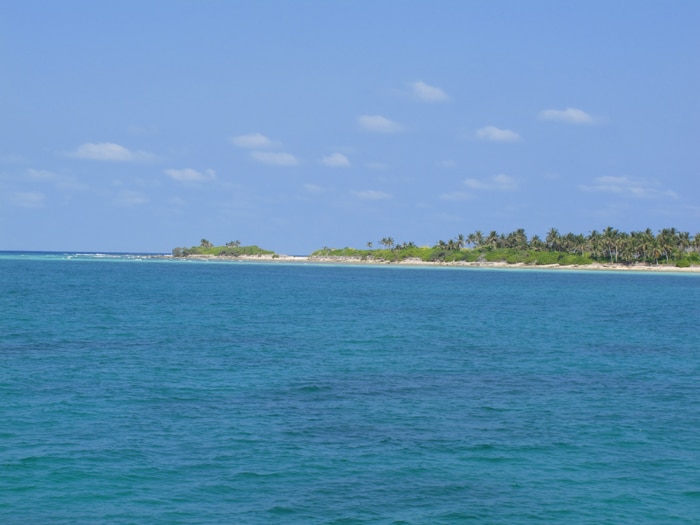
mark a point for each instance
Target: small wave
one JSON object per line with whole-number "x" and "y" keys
{"x": 312, "y": 389}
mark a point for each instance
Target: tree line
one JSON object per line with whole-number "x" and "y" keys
{"x": 609, "y": 245}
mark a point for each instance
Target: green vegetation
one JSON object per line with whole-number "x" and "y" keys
{"x": 669, "y": 247}
{"x": 231, "y": 249}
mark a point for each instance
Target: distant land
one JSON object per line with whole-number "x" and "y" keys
{"x": 668, "y": 249}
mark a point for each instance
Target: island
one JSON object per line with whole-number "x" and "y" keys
{"x": 669, "y": 249}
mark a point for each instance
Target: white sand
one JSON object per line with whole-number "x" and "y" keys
{"x": 418, "y": 262}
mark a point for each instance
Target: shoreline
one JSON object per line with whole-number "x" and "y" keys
{"x": 305, "y": 259}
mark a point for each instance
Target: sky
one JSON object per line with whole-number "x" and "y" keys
{"x": 140, "y": 126}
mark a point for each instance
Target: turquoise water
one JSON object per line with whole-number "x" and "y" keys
{"x": 136, "y": 390}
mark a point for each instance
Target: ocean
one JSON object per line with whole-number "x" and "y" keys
{"x": 146, "y": 390}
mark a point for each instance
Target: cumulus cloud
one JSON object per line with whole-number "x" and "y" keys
{"x": 108, "y": 151}
{"x": 252, "y": 141}
{"x": 274, "y": 158}
{"x": 27, "y": 199}
{"x": 427, "y": 93}
{"x": 497, "y": 134}
{"x": 629, "y": 187}
{"x": 568, "y": 115}
{"x": 497, "y": 183}
{"x": 379, "y": 124}
{"x": 447, "y": 164}
{"x": 336, "y": 160}
{"x": 190, "y": 175}
{"x": 372, "y": 195}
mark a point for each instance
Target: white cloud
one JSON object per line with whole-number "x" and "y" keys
{"x": 190, "y": 175}
{"x": 177, "y": 201}
{"x": 336, "y": 160}
{"x": 312, "y": 188}
{"x": 41, "y": 175}
{"x": 27, "y": 199}
{"x": 252, "y": 141}
{"x": 13, "y": 159}
{"x": 108, "y": 151}
{"x": 372, "y": 195}
{"x": 569, "y": 115}
{"x": 275, "y": 159}
{"x": 379, "y": 124}
{"x": 497, "y": 183}
{"x": 497, "y": 134}
{"x": 457, "y": 196}
{"x": 62, "y": 182}
{"x": 447, "y": 164}
{"x": 427, "y": 93}
{"x": 629, "y": 187}
{"x": 130, "y": 198}
{"x": 70, "y": 184}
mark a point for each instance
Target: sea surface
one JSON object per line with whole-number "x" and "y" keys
{"x": 146, "y": 390}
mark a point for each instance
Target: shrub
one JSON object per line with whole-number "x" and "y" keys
{"x": 542, "y": 258}
{"x": 570, "y": 259}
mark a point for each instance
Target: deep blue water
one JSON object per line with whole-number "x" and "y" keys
{"x": 137, "y": 390}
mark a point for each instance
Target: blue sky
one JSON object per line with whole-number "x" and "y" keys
{"x": 141, "y": 126}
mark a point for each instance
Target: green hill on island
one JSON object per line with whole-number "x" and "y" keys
{"x": 230, "y": 249}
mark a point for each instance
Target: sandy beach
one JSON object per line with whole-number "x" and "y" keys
{"x": 303, "y": 259}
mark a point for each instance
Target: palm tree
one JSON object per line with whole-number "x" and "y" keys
{"x": 536, "y": 243}
{"x": 553, "y": 240}
{"x": 610, "y": 239}
{"x": 387, "y": 242}
{"x": 696, "y": 242}
{"x": 646, "y": 242}
{"x": 369, "y": 245}
{"x": 520, "y": 239}
{"x": 566, "y": 242}
{"x": 595, "y": 244}
{"x": 492, "y": 239}
{"x": 204, "y": 243}
{"x": 478, "y": 238}
{"x": 625, "y": 247}
{"x": 654, "y": 250}
{"x": 668, "y": 242}
{"x": 573, "y": 243}
{"x": 684, "y": 241}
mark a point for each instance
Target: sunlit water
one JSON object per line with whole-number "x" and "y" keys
{"x": 137, "y": 390}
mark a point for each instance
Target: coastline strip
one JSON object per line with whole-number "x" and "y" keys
{"x": 419, "y": 262}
